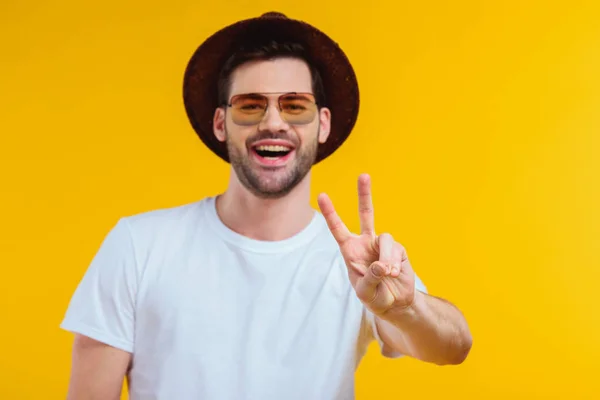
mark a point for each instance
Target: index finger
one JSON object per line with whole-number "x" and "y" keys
{"x": 334, "y": 222}
{"x": 365, "y": 205}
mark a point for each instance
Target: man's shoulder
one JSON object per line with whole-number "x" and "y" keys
{"x": 163, "y": 220}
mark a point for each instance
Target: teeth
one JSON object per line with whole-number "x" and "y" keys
{"x": 273, "y": 148}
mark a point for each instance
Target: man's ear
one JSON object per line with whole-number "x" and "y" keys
{"x": 324, "y": 124}
{"x": 219, "y": 124}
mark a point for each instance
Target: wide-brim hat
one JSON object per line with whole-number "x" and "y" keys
{"x": 339, "y": 80}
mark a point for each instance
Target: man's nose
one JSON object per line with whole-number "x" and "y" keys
{"x": 272, "y": 120}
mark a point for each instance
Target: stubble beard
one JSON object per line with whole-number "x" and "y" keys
{"x": 282, "y": 180}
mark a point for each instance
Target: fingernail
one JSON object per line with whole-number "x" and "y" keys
{"x": 378, "y": 270}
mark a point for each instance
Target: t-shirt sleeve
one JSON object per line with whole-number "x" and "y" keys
{"x": 385, "y": 350}
{"x": 103, "y": 304}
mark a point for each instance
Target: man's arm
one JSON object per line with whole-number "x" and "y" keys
{"x": 407, "y": 320}
{"x": 98, "y": 370}
{"x": 431, "y": 330}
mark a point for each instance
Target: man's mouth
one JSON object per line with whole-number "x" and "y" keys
{"x": 272, "y": 154}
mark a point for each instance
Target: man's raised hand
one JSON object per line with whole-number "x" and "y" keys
{"x": 378, "y": 267}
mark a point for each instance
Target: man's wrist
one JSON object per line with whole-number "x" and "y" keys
{"x": 406, "y": 315}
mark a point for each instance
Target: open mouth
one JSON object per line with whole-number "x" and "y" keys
{"x": 272, "y": 154}
{"x": 272, "y": 151}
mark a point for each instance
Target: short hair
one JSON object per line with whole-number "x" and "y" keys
{"x": 268, "y": 50}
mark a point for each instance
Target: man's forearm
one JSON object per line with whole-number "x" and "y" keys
{"x": 431, "y": 330}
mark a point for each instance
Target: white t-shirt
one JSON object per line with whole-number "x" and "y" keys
{"x": 210, "y": 314}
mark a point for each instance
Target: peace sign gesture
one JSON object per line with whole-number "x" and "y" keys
{"x": 378, "y": 267}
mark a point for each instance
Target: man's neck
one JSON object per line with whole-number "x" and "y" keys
{"x": 265, "y": 219}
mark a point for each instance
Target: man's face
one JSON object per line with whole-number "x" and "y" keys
{"x": 271, "y": 152}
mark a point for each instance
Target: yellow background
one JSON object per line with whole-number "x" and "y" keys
{"x": 480, "y": 125}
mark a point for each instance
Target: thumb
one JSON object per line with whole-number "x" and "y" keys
{"x": 367, "y": 285}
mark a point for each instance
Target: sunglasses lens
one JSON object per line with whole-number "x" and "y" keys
{"x": 248, "y": 109}
{"x": 298, "y": 109}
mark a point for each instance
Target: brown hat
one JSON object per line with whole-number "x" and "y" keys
{"x": 339, "y": 80}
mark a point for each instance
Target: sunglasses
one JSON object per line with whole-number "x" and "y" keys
{"x": 294, "y": 108}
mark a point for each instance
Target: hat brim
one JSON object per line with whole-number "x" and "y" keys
{"x": 339, "y": 79}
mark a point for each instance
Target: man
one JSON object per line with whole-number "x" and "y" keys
{"x": 252, "y": 294}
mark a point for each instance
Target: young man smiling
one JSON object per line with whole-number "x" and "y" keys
{"x": 252, "y": 294}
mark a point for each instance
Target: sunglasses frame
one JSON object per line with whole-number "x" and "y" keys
{"x": 312, "y": 99}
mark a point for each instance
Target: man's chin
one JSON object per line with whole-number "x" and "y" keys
{"x": 268, "y": 191}
{"x": 270, "y": 183}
